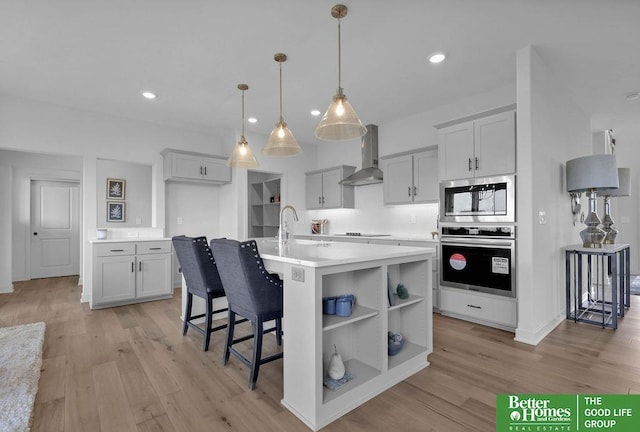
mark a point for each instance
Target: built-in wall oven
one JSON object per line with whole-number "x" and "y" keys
{"x": 487, "y": 199}
{"x": 479, "y": 258}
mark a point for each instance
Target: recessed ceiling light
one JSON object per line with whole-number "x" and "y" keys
{"x": 437, "y": 58}
{"x": 315, "y": 113}
{"x": 252, "y": 120}
{"x": 149, "y": 95}
{"x": 633, "y": 96}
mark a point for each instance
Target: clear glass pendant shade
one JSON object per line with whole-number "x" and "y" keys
{"x": 340, "y": 122}
{"x": 242, "y": 156}
{"x": 281, "y": 142}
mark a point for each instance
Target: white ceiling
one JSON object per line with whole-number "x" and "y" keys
{"x": 99, "y": 55}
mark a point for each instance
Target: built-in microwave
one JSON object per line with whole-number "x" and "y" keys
{"x": 488, "y": 199}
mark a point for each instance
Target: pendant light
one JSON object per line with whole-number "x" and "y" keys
{"x": 340, "y": 122}
{"x": 242, "y": 156}
{"x": 281, "y": 142}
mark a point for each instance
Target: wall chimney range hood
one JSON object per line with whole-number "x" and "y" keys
{"x": 370, "y": 173}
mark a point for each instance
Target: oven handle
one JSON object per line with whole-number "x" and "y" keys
{"x": 479, "y": 242}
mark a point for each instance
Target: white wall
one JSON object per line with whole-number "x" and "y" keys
{"x": 198, "y": 207}
{"x": 625, "y": 211}
{"x": 34, "y": 126}
{"x": 137, "y": 196}
{"x": 551, "y": 130}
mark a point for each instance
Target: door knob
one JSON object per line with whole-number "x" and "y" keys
{"x": 35, "y": 233}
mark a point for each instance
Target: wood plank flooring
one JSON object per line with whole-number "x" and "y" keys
{"x": 130, "y": 369}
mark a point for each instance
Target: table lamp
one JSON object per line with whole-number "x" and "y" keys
{"x": 624, "y": 180}
{"x": 592, "y": 174}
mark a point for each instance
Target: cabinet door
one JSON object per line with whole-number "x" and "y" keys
{"x": 495, "y": 145}
{"x": 425, "y": 176}
{"x": 215, "y": 169}
{"x": 186, "y": 166}
{"x": 313, "y": 189}
{"x": 114, "y": 279}
{"x": 455, "y": 151}
{"x": 153, "y": 275}
{"x": 398, "y": 180}
{"x": 332, "y": 189}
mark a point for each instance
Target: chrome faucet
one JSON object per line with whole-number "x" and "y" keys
{"x": 283, "y": 234}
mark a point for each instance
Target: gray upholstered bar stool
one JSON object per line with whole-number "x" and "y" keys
{"x": 252, "y": 293}
{"x": 202, "y": 279}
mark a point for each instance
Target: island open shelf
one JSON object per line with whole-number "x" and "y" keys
{"x": 310, "y": 337}
{"x": 329, "y": 322}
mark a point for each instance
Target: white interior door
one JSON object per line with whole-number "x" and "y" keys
{"x": 55, "y": 233}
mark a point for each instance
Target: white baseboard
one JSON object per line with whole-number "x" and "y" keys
{"x": 535, "y": 337}
{"x": 85, "y": 297}
{"x": 6, "y": 289}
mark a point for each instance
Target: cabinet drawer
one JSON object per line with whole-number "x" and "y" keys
{"x": 152, "y": 247}
{"x": 475, "y": 305}
{"x": 115, "y": 249}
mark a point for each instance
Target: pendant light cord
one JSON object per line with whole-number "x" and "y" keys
{"x": 281, "y": 119}
{"x": 339, "y": 59}
{"x": 242, "y": 113}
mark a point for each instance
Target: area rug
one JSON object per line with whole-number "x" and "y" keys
{"x": 20, "y": 363}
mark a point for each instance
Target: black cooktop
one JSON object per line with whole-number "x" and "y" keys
{"x": 357, "y": 234}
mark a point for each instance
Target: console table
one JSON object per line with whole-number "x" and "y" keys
{"x": 598, "y": 282}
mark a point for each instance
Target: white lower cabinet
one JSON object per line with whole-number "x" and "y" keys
{"x": 130, "y": 272}
{"x": 487, "y": 309}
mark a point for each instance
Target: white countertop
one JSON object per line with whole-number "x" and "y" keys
{"x": 424, "y": 238}
{"x": 127, "y": 240}
{"x": 314, "y": 253}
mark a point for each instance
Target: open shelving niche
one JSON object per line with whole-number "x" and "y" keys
{"x": 361, "y": 339}
{"x": 409, "y": 317}
{"x": 264, "y": 214}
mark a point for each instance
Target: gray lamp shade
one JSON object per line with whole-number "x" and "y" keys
{"x": 592, "y": 173}
{"x": 624, "y": 180}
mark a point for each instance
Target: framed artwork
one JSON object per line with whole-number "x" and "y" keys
{"x": 115, "y": 189}
{"x": 115, "y": 211}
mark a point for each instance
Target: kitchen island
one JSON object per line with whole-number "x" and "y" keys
{"x": 312, "y": 270}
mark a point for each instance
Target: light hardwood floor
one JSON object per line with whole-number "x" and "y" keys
{"x": 130, "y": 369}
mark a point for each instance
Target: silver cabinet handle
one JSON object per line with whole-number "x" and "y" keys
{"x": 474, "y": 306}
{"x": 140, "y": 266}
{"x": 415, "y": 191}
{"x": 133, "y": 268}
{"x": 319, "y": 200}
{"x": 155, "y": 248}
{"x": 409, "y": 191}
{"x": 470, "y": 164}
{"x": 205, "y": 170}
{"x": 116, "y": 250}
{"x": 323, "y": 199}
{"x": 477, "y": 165}
{"x": 200, "y": 170}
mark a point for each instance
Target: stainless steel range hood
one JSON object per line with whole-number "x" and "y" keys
{"x": 370, "y": 173}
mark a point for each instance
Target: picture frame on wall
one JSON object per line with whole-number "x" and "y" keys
{"x": 116, "y": 189}
{"x": 115, "y": 211}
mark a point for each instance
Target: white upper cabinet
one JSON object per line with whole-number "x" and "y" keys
{"x": 323, "y": 188}
{"x": 411, "y": 177}
{"x": 188, "y": 166}
{"x": 478, "y": 148}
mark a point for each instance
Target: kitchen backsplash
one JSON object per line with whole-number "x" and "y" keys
{"x": 372, "y": 216}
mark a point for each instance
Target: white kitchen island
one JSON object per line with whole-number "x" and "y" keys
{"x": 312, "y": 270}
